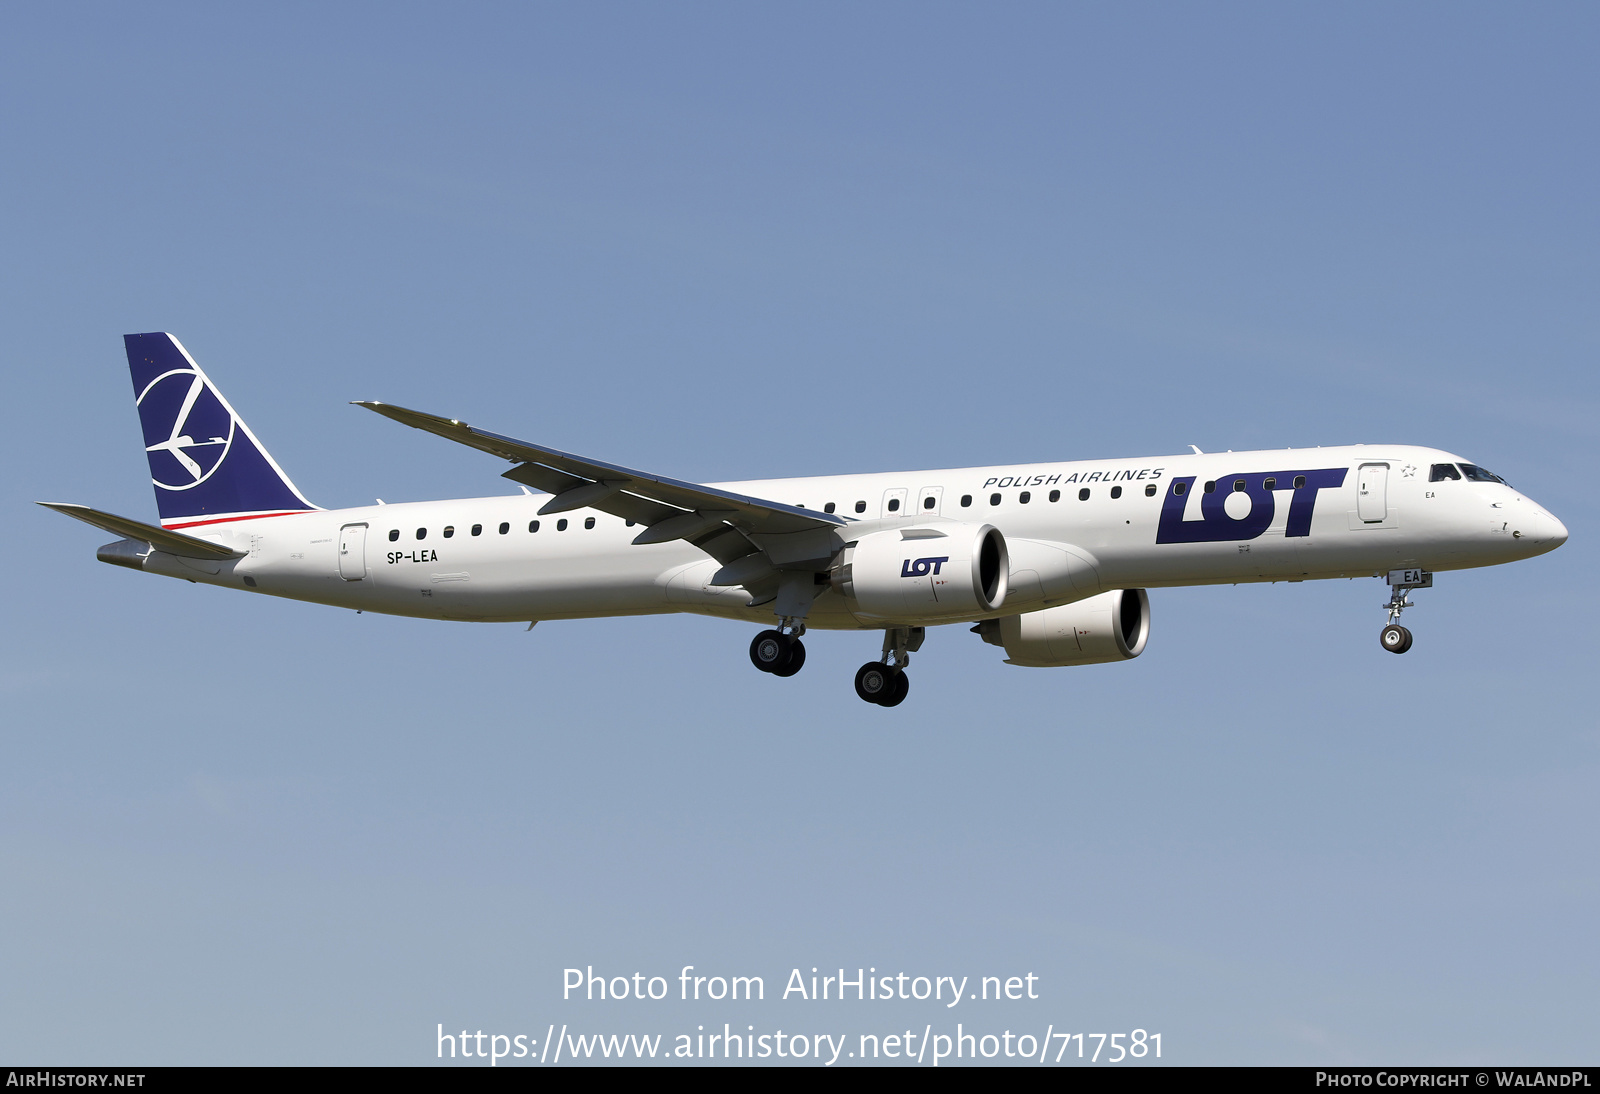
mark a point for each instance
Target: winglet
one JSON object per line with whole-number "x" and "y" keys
{"x": 414, "y": 418}
{"x": 450, "y": 428}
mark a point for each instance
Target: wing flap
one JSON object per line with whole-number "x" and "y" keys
{"x": 621, "y": 504}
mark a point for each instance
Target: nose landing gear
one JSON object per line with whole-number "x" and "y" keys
{"x": 1395, "y": 638}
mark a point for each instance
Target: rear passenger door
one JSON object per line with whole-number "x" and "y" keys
{"x": 353, "y": 552}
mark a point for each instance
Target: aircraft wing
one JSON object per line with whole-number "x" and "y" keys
{"x": 668, "y": 508}
{"x": 175, "y": 543}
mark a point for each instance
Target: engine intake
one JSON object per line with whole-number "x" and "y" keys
{"x": 927, "y": 572}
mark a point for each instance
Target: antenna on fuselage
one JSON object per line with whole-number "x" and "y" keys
{"x": 1197, "y": 451}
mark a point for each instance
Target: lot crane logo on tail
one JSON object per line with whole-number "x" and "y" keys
{"x": 179, "y": 461}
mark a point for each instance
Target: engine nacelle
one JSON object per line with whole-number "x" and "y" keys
{"x": 1113, "y": 626}
{"x": 926, "y": 572}
{"x": 1044, "y": 574}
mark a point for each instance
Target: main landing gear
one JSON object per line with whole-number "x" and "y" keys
{"x": 882, "y": 682}
{"x": 1394, "y": 637}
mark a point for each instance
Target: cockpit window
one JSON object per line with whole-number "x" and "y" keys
{"x": 1442, "y": 471}
{"x": 1475, "y": 473}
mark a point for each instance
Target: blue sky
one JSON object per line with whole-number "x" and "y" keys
{"x": 728, "y": 242}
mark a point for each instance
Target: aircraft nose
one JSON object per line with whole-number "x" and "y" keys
{"x": 1553, "y": 531}
{"x": 1544, "y": 532}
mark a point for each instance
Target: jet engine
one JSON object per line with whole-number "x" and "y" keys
{"x": 1113, "y": 626}
{"x": 928, "y": 572}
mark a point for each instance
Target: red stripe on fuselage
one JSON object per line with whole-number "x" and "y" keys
{"x": 226, "y": 520}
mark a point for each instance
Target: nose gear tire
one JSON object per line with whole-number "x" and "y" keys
{"x": 1395, "y": 638}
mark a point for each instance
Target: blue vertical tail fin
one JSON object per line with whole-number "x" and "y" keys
{"x": 206, "y": 465}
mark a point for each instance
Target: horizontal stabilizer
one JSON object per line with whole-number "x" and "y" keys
{"x": 174, "y": 543}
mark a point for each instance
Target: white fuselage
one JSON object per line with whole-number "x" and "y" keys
{"x": 423, "y": 558}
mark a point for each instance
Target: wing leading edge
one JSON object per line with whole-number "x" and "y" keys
{"x": 719, "y": 522}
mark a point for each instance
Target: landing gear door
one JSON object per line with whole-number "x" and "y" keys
{"x": 929, "y": 499}
{"x": 353, "y": 552}
{"x": 894, "y": 503}
{"x": 1372, "y": 493}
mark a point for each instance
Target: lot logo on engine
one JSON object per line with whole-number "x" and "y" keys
{"x": 1261, "y": 488}
{"x": 922, "y": 567}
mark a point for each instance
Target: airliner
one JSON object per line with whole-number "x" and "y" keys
{"x": 1049, "y": 561}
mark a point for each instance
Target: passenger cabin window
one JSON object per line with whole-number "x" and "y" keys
{"x": 1238, "y": 486}
{"x": 477, "y": 529}
{"x": 1150, "y": 491}
{"x": 966, "y": 500}
{"x": 1055, "y": 495}
{"x": 533, "y": 526}
{"x": 994, "y": 499}
{"x": 894, "y": 505}
{"x": 1083, "y": 495}
{"x": 449, "y": 530}
{"x": 422, "y": 533}
{"x": 504, "y": 527}
{"x": 1179, "y": 489}
{"x": 561, "y": 525}
{"x": 394, "y": 534}
{"x": 1211, "y": 487}
{"x": 1269, "y": 484}
{"x": 927, "y": 502}
{"x": 1025, "y": 497}
{"x": 1116, "y": 491}
{"x": 1299, "y": 482}
{"x": 861, "y": 507}
{"x": 588, "y": 522}
{"x": 828, "y": 508}
{"x": 1441, "y": 471}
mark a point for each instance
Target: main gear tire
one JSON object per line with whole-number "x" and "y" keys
{"x": 874, "y": 680}
{"x": 797, "y": 657}
{"x": 902, "y": 685}
{"x": 770, "y": 651}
